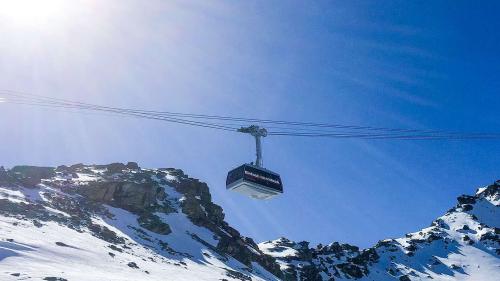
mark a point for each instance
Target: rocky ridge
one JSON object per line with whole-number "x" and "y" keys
{"x": 152, "y": 222}
{"x": 82, "y": 192}
{"x": 455, "y": 246}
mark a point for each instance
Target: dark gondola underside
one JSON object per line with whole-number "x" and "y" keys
{"x": 254, "y": 181}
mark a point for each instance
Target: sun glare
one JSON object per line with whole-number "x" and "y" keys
{"x": 30, "y": 12}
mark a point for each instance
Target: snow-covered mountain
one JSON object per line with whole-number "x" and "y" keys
{"x": 121, "y": 222}
{"x": 464, "y": 244}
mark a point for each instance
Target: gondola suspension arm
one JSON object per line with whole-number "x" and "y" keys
{"x": 257, "y": 132}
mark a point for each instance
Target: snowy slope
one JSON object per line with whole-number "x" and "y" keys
{"x": 121, "y": 222}
{"x": 464, "y": 244}
{"x": 49, "y": 229}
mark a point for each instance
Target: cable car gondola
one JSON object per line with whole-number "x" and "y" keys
{"x": 252, "y": 179}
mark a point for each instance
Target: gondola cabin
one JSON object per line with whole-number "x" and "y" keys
{"x": 254, "y": 181}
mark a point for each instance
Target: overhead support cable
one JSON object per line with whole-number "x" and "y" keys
{"x": 282, "y": 128}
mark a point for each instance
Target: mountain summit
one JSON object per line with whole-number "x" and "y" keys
{"x": 121, "y": 222}
{"x": 463, "y": 244}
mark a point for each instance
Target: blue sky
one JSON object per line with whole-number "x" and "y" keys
{"x": 424, "y": 65}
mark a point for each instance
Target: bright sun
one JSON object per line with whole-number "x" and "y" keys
{"x": 30, "y": 12}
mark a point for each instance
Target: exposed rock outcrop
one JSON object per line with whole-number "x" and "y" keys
{"x": 127, "y": 195}
{"x": 128, "y": 207}
{"x": 29, "y": 176}
{"x": 141, "y": 192}
{"x": 401, "y": 259}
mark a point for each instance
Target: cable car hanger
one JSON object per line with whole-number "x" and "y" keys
{"x": 257, "y": 132}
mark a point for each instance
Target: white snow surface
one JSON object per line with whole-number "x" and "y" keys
{"x": 271, "y": 248}
{"x": 459, "y": 245}
{"x": 453, "y": 248}
{"x": 33, "y": 252}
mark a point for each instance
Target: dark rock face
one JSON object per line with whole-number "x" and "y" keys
{"x": 198, "y": 207}
{"x": 368, "y": 256}
{"x": 61, "y": 244}
{"x": 132, "y": 166}
{"x": 4, "y": 177}
{"x": 352, "y": 270}
{"x": 334, "y": 260}
{"x": 466, "y": 199}
{"x": 127, "y": 195}
{"x": 144, "y": 193}
{"x": 30, "y": 176}
{"x": 343, "y": 261}
{"x": 236, "y": 248}
{"x": 134, "y": 196}
{"x": 153, "y": 223}
{"x": 193, "y": 209}
{"x": 54, "y": 279}
{"x": 310, "y": 273}
{"x": 132, "y": 265}
{"x": 404, "y": 278}
{"x": 128, "y": 187}
{"x": 270, "y": 264}
{"x": 115, "y": 168}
